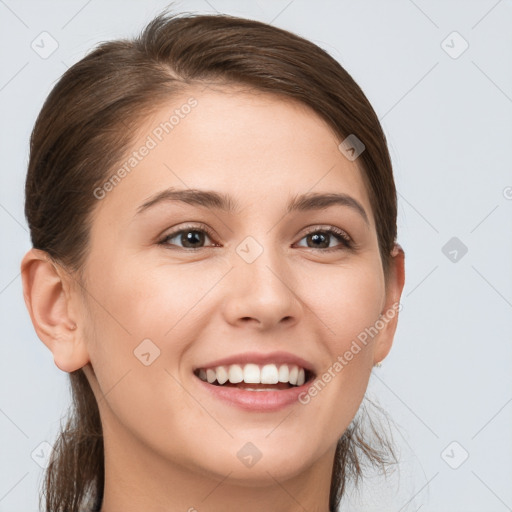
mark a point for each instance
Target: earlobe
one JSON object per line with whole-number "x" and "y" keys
{"x": 48, "y": 299}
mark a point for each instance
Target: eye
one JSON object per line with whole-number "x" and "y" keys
{"x": 193, "y": 237}
{"x": 190, "y": 236}
{"x": 320, "y": 239}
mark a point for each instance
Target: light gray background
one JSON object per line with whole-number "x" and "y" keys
{"x": 448, "y": 124}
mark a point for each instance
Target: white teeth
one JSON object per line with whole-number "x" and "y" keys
{"x": 284, "y": 373}
{"x": 301, "y": 378}
{"x": 253, "y": 374}
{"x": 236, "y": 374}
{"x": 294, "y": 372}
{"x": 222, "y": 374}
{"x": 211, "y": 375}
{"x": 269, "y": 374}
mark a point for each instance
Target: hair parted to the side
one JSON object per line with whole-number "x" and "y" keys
{"x": 86, "y": 126}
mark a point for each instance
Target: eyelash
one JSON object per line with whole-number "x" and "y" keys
{"x": 345, "y": 240}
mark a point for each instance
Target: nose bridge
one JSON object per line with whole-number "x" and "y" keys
{"x": 259, "y": 259}
{"x": 261, "y": 286}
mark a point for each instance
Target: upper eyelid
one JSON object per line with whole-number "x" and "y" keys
{"x": 325, "y": 227}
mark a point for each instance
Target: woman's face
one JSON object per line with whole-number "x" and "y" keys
{"x": 166, "y": 298}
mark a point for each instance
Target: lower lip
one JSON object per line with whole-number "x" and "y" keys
{"x": 266, "y": 401}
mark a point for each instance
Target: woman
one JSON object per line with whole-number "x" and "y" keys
{"x": 213, "y": 219}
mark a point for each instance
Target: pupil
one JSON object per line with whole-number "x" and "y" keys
{"x": 317, "y": 236}
{"x": 193, "y": 236}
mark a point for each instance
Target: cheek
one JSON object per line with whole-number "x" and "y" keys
{"x": 144, "y": 319}
{"x": 137, "y": 339}
{"x": 348, "y": 302}
{"x": 143, "y": 302}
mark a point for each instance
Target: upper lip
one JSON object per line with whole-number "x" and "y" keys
{"x": 260, "y": 358}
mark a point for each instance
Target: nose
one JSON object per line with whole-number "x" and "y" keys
{"x": 261, "y": 292}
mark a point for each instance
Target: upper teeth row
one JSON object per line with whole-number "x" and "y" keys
{"x": 255, "y": 374}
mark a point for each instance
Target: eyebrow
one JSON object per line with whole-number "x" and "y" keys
{"x": 223, "y": 202}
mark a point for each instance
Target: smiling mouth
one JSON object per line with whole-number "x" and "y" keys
{"x": 253, "y": 386}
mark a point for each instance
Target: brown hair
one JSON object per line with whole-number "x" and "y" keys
{"x": 87, "y": 124}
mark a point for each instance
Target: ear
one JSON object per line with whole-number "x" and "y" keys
{"x": 49, "y": 299}
{"x": 389, "y": 315}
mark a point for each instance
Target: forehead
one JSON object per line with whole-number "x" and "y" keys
{"x": 258, "y": 147}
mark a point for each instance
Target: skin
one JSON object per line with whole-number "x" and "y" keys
{"x": 168, "y": 445}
